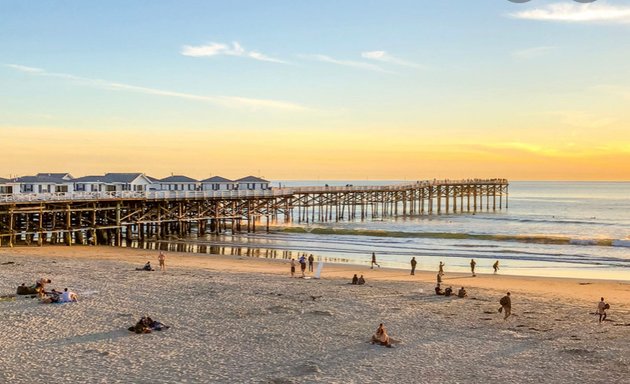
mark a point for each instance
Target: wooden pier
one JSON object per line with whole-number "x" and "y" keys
{"x": 116, "y": 217}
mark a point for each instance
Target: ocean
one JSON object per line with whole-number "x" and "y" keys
{"x": 559, "y": 229}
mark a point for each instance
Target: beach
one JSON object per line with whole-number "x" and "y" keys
{"x": 242, "y": 319}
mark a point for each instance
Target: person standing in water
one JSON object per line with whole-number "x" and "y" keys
{"x": 472, "y": 266}
{"x": 413, "y": 265}
{"x": 496, "y": 266}
{"x": 374, "y": 261}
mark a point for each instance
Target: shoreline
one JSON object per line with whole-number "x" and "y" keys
{"x": 580, "y": 289}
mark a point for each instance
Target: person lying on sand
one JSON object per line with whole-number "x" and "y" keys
{"x": 68, "y": 296}
{"x": 147, "y": 325}
{"x": 381, "y": 337}
{"x": 51, "y": 297}
{"x": 438, "y": 290}
{"x": 462, "y": 293}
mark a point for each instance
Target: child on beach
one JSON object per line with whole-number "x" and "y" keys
{"x": 161, "y": 259}
{"x": 441, "y": 268}
{"x": 472, "y": 266}
{"x": 496, "y": 266}
{"x": 361, "y": 280}
{"x": 292, "y": 267}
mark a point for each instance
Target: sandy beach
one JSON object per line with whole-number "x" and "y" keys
{"x": 239, "y": 319}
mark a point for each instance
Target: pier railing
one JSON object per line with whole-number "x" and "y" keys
{"x": 269, "y": 193}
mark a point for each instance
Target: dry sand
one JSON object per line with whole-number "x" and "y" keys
{"x": 239, "y": 319}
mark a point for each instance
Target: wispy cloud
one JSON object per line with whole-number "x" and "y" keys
{"x": 220, "y": 49}
{"x": 531, "y": 53}
{"x": 346, "y": 63}
{"x": 226, "y": 101}
{"x": 385, "y": 57}
{"x": 576, "y": 13}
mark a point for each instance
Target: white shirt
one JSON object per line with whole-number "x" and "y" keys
{"x": 67, "y": 296}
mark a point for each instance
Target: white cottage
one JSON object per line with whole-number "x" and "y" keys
{"x": 8, "y": 187}
{"x": 46, "y": 183}
{"x": 252, "y": 183}
{"x": 178, "y": 183}
{"x": 218, "y": 183}
{"x": 113, "y": 182}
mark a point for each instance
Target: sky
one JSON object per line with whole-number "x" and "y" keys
{"x": 348, "y": 90}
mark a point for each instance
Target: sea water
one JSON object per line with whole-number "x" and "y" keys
{"x": 560, "y": 229}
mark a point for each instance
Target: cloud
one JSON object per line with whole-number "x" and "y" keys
{"x": 387, "y": 58}
{"x": 531, "y": 53}
{"x": 226, "y": 101}
{"x": 219, "y": 49}
{"x": 577, "y": 13}
{"x": 347, "y": 63}
{"x": 25, "y": 69}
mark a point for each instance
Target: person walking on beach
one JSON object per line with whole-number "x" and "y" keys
{"x": 311, "y": 259}
{"x": 601, "y": 310}
{"x": 292, "y": 267}
{"x": 439, "y": 279}
{"x": 302, "y": 261}
{"x": 413, "y": 265}
{"x": 496, "y": 266}
{"x": 161, "y": 260}
{"x": 506, "y": 306}
{"x": 441, "y": 268}
{"x": 374, "y": 261}
{"x": 472, "y": 266}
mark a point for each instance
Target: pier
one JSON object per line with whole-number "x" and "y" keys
{"x": 112, "y": 218}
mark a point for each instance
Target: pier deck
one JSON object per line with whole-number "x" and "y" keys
{"x": 114, "y": 217}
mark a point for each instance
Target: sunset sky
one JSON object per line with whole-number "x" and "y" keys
{"x": 317, "y": 89}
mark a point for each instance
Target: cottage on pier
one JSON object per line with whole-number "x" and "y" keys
{"x": 178, "y": 183}
{"x": 8, "y": 187}
{"x": 46, "y": 183}
{"x": 113, "y": 182}
{"x": 252, "y": 183}
{"x": 218, "y": 183}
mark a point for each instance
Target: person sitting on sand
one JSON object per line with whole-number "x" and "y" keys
{"x": 68, "y": 296}
{"x": 438, "y": 290}
{"x": 448, "y": 291}
{"x": 381, "y": 336}
{"x": 355, "y": 279}
{"x": 462, "y": 293}
{"x": 147, "y": 267}
{"x": 361, "y": 280}
{"x": 40, "y": 286}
